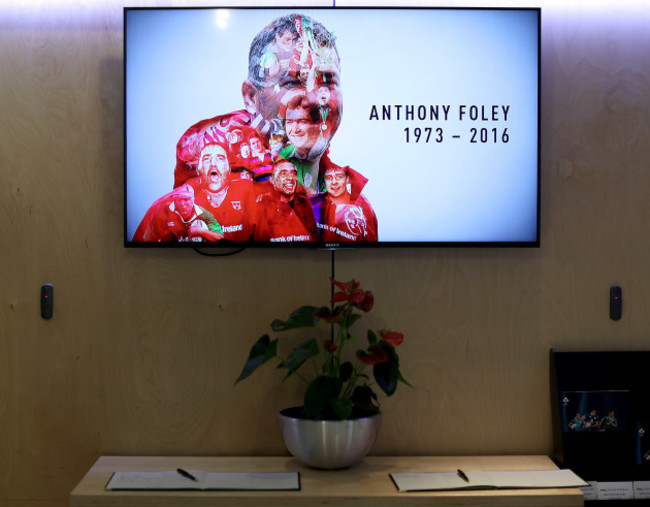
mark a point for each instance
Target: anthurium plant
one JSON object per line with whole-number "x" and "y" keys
{"x": 339, "y": 387}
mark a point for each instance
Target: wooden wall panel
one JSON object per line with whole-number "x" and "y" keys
{"x": 142, "y": 352}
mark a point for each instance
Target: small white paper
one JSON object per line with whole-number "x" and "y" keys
{"x": 591, "y": 491}
{"x": 622, "y": 490}
{"x": 641, "y": 490}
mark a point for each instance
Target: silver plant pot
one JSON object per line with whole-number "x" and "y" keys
{"x": 328, "y": 444}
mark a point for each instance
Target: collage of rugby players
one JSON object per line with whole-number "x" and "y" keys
{"x": 263, "y": 173}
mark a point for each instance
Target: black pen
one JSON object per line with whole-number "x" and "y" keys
{"x": 462, "y": 475}
{"x": 185, "y": 473}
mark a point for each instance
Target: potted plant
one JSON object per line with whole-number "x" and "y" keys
{"x": 340, "y": 404}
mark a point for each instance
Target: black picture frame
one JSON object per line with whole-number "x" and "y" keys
{"x": 604, "y": 381}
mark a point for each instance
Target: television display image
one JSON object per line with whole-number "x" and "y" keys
{"x": 594, "y": 411}
{"x": 330, "y": 127}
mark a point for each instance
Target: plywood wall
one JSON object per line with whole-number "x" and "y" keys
{"x": 142, "y": 352}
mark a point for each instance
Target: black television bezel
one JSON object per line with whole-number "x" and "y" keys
{"x": 225, "y": 244}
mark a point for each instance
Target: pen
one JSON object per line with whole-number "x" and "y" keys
{"x": 185, "y": 473}
{"x": 462, "y": 475}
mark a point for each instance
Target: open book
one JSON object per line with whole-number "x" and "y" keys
{"x": 432, "y": 481}
{"x": 173, "y": 480}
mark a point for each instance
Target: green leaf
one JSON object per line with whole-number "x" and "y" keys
{"x": 320, "y": 394}
{"x": 299, "y": 355}
{"x": 305, "y": 316}
{"x": 372, "y": 337}
{"x": 365, "y": 398}
{"x": 342, "y": 407}
{"x": 353, "y": 318}
{"x": 387, "y": 374}
{"x": 345, "y": 371}
{"x": 263, "y": 350}
{"x": 402, "y": 379}
{"x": 346, "y": 319}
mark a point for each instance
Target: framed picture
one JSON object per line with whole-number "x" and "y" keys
{"x": 601, "y": 413}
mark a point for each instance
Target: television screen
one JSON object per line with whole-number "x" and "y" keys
{"x": 332, "y": 127}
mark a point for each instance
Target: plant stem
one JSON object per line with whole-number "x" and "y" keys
{"x": 343, "y": 333}
{"x": 358, "y": 370}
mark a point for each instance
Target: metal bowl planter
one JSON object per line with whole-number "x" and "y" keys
{"x": 328, "y": 444}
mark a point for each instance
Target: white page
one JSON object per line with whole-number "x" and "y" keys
{"x": 170, "y": 480}
{"x": 536, "y": 479}
{"x": 432, "y": 481}
{"x": 423, "y": 481}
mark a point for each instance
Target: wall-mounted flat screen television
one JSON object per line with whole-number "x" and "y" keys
{"x": 332, "y": 127}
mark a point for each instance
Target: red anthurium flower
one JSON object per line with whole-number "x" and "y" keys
{"x": 367, "y": 303}
{"x": 338, "y": 297}
{"x": 330, "y": 346}
{"x": 341, "y": 285}
{"x": 391, "y": 337}
{"x": 357, "y": 296}
{"x": 377, "y": 355}
{"x": 353, "y": 293}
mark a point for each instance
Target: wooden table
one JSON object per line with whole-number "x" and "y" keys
{"x": 365, "y": 484}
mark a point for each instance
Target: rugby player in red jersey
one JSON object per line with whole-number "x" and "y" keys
{"x": 282, "y": 211}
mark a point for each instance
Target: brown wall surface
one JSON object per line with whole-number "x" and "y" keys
{"x": 144, "y": 346}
